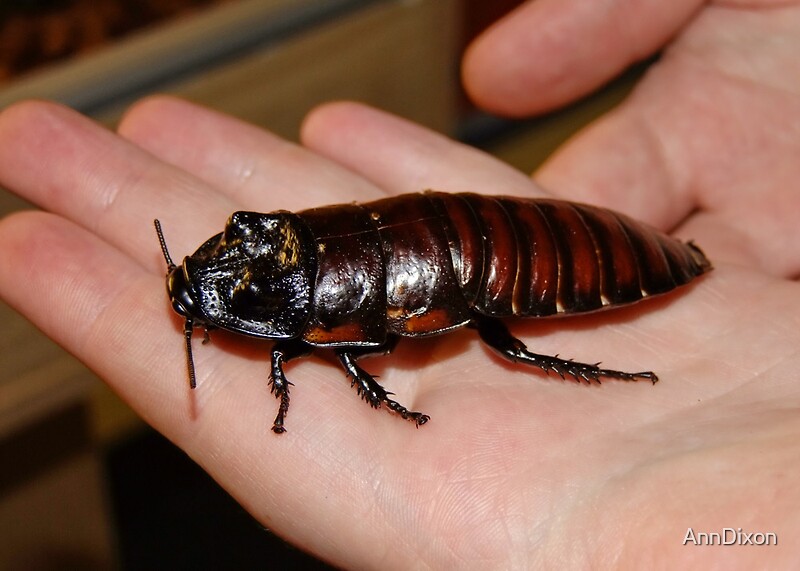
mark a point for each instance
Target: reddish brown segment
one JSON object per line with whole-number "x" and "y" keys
{"x": 619, "y": 268}
{"x": 349, "y": 295}
{"x": 465, "y": 239}
{"x": 501, "y": 259}
{"x": 422, "y": 294}
{"x": 536, "y": 290}
{"x": 419, "y": 264}
{"x": 578, "y": 263}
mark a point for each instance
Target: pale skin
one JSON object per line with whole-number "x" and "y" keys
{"x": 514, "y": 469}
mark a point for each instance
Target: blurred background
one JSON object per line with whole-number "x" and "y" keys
{"x": 84, "y": 484}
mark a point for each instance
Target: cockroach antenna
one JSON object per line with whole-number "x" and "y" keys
{"x": 188, "y": 325}
{"x": 167, "y": 257}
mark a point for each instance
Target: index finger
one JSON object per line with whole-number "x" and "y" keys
{"x": 102, "y": 182}
{"x": 252, "y": 166}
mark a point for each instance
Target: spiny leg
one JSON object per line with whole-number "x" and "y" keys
{"x": 369, "y": 389}
{"x": 495, "y": 334}
{"x": 282, "y": 352}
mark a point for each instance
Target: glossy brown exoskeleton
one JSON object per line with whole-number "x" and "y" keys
{"x": 355, "y": 277}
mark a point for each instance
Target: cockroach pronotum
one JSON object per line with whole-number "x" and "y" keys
{"x": 356, "y": 277}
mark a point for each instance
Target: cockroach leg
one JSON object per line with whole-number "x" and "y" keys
{"x": 496, "y": 335}
{"x": 372, "y": 392}
{"x": 282, "y": 352}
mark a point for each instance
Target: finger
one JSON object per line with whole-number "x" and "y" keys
{"x": 70, "y": 165}
{"x": 549, "y": 52}
{"x": 249, "y": 164}
{"x": 74, "y": 287}
{"x": 403, "y": 157}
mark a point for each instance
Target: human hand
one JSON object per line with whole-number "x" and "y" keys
{"x": 513, "y": 468}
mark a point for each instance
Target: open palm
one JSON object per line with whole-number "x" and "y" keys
{"x": 513, "y": 469}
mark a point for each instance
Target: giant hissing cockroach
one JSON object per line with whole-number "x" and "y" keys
{"x": 355, "y": 277}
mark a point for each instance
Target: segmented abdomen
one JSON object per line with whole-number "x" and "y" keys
{"x": 537, "y": 257}
{"x": 422, "y": 263}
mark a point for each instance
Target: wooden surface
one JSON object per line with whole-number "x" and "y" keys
{"x": 144, "y": 60}
{"x": 399, "y": 56}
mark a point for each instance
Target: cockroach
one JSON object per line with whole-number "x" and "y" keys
{"x": 356, "y": 277}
